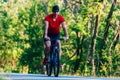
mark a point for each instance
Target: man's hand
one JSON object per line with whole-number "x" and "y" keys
{"x": 47, "y": 38}
{"x": 66, "y": 38}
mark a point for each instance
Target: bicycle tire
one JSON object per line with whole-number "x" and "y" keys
{"x": 49, "y": 66}
{"x": 56, "y": 64}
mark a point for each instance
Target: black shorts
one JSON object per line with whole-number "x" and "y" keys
{"x": 53, "y": 36}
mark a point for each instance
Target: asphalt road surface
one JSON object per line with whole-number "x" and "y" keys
{"x": 18, "y": 76}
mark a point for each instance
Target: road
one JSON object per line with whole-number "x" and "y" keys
{"x": 18, "y": 76}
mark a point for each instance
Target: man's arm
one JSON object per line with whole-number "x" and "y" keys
{"x": 65, "y": 30}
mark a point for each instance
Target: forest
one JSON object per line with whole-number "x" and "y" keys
{"x": 93, "y": 27}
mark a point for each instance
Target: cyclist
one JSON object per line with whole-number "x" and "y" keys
{"x": 52, "y": 30}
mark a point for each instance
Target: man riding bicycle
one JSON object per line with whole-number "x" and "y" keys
{"x": 52, "y": 30}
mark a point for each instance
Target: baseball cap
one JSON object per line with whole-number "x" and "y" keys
{"x": 55, "y": 8}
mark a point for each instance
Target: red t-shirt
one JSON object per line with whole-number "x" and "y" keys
{"x": 54, "y": 26}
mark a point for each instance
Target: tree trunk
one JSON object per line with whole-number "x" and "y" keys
{"x": 118, "y": 36}
{"x": 46, "y": 9}
{"x": 108, "y": 24}
{"x": 79, "y": 53}
{"x": 113, "y": 42}
{"x": 106, "y": 33}
{"x": 93, "y": 43}
{"x": 67, "y": 3}
{"x": 112, "y": 46}
{"x": 117, "y": 40}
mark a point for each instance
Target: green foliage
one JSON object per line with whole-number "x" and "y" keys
{"x": 21, "y": 33}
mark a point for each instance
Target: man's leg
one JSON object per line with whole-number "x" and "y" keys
{"x": 46, "y": 51}
{"x": 59, "y": 47}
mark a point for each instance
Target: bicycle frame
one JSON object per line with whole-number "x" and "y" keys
{"x": 54, "y": 46}
{"x": 54, "y": 60}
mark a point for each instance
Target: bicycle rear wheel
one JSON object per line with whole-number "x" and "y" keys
{"x": 56, "y": 64}
{"x": 49, "y": 66}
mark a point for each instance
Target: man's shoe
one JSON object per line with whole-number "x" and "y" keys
{"x": 45, "y": 61}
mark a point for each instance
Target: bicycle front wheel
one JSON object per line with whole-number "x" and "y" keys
{"x": 49, "y": 66}
{"x": 56, "y": 64}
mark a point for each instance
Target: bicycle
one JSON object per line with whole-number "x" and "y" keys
{"x": 53, "y": 59}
